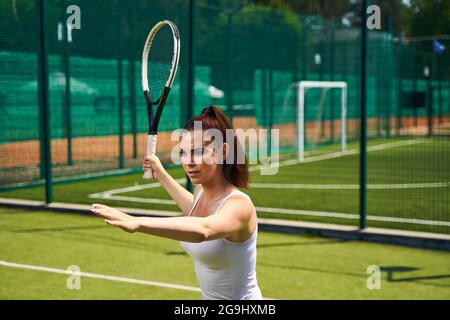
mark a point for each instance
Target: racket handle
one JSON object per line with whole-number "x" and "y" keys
{"x": 151, "y": 148}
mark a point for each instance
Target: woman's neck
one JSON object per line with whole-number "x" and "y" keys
{"x": 216, "y": 188}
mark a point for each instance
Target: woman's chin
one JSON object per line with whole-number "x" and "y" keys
{"x": 195, "y": 180}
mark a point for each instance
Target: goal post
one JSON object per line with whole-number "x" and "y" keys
{"x": 302, "y": 88}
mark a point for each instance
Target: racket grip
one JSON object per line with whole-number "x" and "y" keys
{"x": 151, "y": 148}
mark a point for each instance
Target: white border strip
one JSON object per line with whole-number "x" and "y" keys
{"x": 349, "y": 186}
{"x": 351, "y": 216}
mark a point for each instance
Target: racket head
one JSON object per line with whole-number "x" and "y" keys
{"x": 159, "y": 66}
{"x": 160, "y": 59}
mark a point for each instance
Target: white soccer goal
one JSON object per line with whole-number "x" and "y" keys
{"x": 302, "y": 87}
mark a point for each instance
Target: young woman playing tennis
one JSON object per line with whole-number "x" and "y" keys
{"x": 220, "y": 228}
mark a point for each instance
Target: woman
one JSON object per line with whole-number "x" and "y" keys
{"x": 220, "y": 228}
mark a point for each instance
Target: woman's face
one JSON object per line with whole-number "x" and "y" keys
{"x": 199, "y": 159}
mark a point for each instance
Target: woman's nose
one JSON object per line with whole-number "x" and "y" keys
{"x": 188, "y": 161}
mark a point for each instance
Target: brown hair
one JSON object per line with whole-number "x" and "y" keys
{"x": 214, "y": 118}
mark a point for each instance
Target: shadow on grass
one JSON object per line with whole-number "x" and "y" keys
{"x": 389, "y": 277}
{"x": 176, "y": 253}
{"x": 6, "y": 211}
{"x": 399, "y": 269}
{"x": 301, "y": 243}
{"x": 317, "y": 270}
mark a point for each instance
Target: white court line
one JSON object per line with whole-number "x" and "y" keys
{"x": 104, "y": 277}
{"x": 131, "y": 199}
{"x": 100, "y": 276}
{"x": 292, "y": 162}
{"x": 349, "y": 152}
{"x": 138, "y": 187}
{"x": 395, "y": 144}
{"x": 309, "y": 213}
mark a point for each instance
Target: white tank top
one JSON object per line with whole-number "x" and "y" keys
{"x": 226, "y": 270}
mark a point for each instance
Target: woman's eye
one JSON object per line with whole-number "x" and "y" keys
{"x": 183, "y": 154}
{"x": 198, "y": 152}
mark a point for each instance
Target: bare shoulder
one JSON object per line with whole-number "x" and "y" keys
{"x": 240, "y": 208}
{"x": 240, "y": 203}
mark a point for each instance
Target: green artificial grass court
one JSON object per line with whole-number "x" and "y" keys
{"x": 289, "y": 266}
{"x": 393, "y": 173}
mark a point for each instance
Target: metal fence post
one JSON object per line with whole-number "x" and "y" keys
{"x": 67, "y": 92}
{"x": 120, "y": 88}
{"x": 132, "y": 80}
{"x": 46, "y": 159}
{"x": 363, "y": 137}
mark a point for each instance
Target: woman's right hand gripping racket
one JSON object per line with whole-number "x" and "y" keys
{"x": 159, "y": 66}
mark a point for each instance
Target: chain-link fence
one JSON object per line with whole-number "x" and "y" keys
{"x": 247, "y": 60}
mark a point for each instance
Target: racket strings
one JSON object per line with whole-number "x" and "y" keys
{"x": 160, "y": 62}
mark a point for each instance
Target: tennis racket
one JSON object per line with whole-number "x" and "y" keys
{"x": 159, "y": 66}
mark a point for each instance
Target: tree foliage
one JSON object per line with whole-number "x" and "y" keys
{"x": 431, "y": 17}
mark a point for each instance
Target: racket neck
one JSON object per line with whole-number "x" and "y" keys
{"x": 149, "y": 111}
{"x": 161, "y": 103}
{"x": 153, "y": 121}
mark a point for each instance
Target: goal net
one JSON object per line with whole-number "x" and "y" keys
{"x": 321, "y": 116}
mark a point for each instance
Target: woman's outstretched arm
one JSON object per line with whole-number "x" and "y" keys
{"x": 189, "y": 229}
{"x": 232, "y": 217}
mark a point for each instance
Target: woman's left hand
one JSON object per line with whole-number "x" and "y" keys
{"x": 116, "y": 218}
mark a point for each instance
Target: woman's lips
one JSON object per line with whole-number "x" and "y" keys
{"x": 192, "y": 173}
